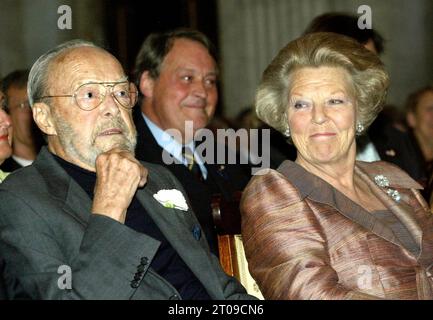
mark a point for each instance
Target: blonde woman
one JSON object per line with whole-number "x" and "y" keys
{"x": 327, "y": 226}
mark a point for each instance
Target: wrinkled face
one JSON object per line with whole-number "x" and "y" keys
{"x": 79, "y": 135}
{"x": 321, "y": 115}
{"x": 21, "y": 115}
{"x": 422, "y": 119}
{"x": 185, "y": 89}
{"x": 5, "y": 132}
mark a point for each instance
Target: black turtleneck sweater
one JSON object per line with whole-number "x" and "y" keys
{"x": 167, "y": 263}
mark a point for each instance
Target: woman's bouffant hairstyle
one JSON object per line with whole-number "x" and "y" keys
{"x": 323, "y": 49}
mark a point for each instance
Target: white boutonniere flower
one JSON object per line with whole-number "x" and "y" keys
{"x": 172, "y": 198}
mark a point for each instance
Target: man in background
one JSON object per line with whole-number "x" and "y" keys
{"x": 27, "y": 138}
{"x": 177, "y": 75}
{"x": 347, "y": 25}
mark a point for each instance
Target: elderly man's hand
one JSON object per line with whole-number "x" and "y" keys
{"x": 118, "y": 175}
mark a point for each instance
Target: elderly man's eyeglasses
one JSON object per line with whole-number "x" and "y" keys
{"x": 90, "y": 95}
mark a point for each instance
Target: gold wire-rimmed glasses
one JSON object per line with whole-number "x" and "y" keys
{"x": 90, "y": 95}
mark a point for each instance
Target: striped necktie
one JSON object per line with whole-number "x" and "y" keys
{"x": 191, "y": 163}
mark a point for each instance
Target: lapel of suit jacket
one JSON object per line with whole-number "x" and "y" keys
{"x": 173, "y": 224}
{"x": 218, "y": 175}
{"x": 319, "y": 190}
{"x": 63, "y": 188}
{"x": 400, "y": 209}
{"x": 228, "y": 177}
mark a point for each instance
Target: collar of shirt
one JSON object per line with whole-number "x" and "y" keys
{"x": 173, "y": 147}
{"x": 21, "y": 161}
{"x": 368, "y": 154}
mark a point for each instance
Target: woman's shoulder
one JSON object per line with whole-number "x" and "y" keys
{"x": 396, "y": 176}
{"x": 268, "y": 177}
{"x": 272, "y": 185}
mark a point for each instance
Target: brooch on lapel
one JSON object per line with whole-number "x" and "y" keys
{"x": 172, "y": 198}
{"x": 383, "y": 182}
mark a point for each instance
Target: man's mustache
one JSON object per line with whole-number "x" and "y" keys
{"x": 113, "y": 123}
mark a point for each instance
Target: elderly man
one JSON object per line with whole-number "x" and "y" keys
{"x": 177, "y": 75}
{"x": 87, "y": 220}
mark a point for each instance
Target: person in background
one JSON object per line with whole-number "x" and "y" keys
{"x": 87, "y": 220}
{"x": 177, "y": 74}
{"x": 5, "y": 152}
{"x": 27, "y": 138}
{"x": 327, "y": 226}
{"x": 5, "y": 134}
{"x": 392, "y": 141}
{"x": 419, "y": 117}
{"x": 346, "y": 24}
{"x": 280, "y": 148}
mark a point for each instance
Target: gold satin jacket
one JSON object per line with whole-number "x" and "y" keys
{"x": 305, "y": 240}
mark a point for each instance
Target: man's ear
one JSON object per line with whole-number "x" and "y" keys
{"x": 43, "y": 118}
{"x": 146, "y": 84}
{"x": 411, "y": 120}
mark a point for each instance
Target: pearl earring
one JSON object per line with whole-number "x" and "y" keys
{"x": 287, "y": 132}
{"x": 359, "y": 128}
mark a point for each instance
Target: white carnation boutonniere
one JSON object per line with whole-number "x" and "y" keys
{"x": 172, "y": 198}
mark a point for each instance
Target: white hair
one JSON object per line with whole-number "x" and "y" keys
{"x": 38, "y": 77}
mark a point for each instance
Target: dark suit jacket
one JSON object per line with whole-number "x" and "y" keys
{"x": 305, "y": 240}
{"x": 223, "y": 180}
{"x": 399, "y": 148}
{"x": 46, "y": 223}
{"x": 3, "y": 294}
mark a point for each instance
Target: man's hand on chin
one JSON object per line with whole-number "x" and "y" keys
{"x": 118, "y": 175}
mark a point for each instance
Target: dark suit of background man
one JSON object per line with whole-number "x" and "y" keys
{"x": 81, "y": 222}
{"x": 177, "y": 74}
